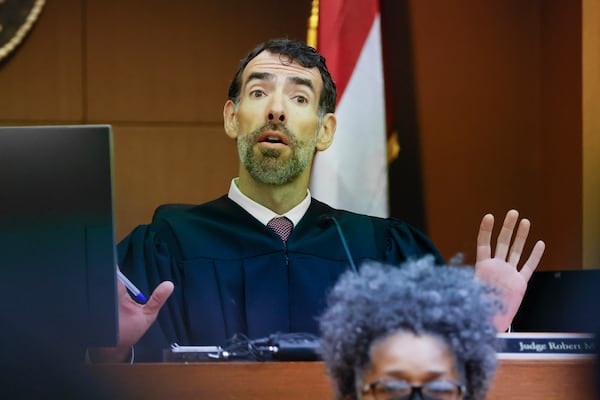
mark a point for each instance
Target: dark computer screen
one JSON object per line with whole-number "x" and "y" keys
{"x": 57, "y": 251}
{"x": 561, "y": 301}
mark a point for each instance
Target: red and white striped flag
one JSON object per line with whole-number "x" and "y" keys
{"x": 352, "y": 173}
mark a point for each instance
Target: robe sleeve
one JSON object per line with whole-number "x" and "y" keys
{"x": 402, "y": 242}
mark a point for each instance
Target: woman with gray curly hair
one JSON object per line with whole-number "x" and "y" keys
{"x": 393, "y": 333}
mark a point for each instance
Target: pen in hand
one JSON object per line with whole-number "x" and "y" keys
{"x": 131, "y": 287}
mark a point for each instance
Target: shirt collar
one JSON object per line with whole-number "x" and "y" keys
{"x": 262, "y": 213}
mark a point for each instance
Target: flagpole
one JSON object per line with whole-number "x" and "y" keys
{"x": 313, "y": 24}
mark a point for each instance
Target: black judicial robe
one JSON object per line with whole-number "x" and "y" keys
{"x": 234, "y": 275}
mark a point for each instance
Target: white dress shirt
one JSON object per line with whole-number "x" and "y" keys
{"x": 262, "y": 213}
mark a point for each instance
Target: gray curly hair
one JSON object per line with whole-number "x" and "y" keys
{"x": 417, "y": 297}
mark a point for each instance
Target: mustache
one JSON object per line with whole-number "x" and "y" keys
{"x": 273, "y": 126}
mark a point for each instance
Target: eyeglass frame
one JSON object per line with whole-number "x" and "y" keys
{"x": 370, "y": 387}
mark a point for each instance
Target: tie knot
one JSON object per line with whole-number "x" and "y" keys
{"x": 282, "y": 226}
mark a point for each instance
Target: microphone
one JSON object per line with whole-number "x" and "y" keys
{"x": 278, "y": 346}
{"x": 295, "y": 347}
{"x": 325, "y": 219}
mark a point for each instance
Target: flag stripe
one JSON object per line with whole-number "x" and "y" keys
{"x": 343, "y": 29}
{"x": 352, "y": 173}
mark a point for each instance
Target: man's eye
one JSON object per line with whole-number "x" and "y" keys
{"x": 301, "y": 99}
{"x": 257, "y": 93}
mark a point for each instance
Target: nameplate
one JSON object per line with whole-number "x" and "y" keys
{"x": 546, "y": 345}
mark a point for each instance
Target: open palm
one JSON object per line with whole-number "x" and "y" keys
{"x": 502, "y": 269}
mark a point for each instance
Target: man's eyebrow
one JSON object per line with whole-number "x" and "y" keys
{"x": 268, "y": 76}
{"x": 261, "y": 76}
{"x": 302, "y": 81}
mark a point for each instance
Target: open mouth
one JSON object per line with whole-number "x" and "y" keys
{"x": 273, "y": 138}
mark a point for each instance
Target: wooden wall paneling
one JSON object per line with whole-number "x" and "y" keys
{"x": 42, "y": 80}
{"x": 562, "y": 134}
{"x": 591, "y": 132}
{"x": 157, "y": 61}
{"x": 169, "y": 164}
{"x": 477, "y": 81}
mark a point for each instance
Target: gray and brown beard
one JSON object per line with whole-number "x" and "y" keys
{"x": 269, "y": 168}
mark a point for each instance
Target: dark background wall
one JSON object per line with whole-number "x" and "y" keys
{"x": 488, "y": 101}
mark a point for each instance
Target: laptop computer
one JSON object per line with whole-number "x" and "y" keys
{"x": 57, "y": 247}
{"x": 561, "y": 301}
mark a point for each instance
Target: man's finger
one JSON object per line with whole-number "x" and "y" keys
{"x": 159, "y": 297}
{"x": 484, "y": 237}
{"x": 521, "y": 237}
{"x": 503, "y": 243}
{"x": 533, "y": 260}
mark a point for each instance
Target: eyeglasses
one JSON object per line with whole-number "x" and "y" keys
{"x": 396, "y": 389}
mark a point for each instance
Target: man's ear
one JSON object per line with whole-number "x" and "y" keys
{"x": 230, "y": 119}
{"x": 325, "y": 134}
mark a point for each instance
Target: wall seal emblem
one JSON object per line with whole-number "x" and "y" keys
{"x": 16, "y": 19}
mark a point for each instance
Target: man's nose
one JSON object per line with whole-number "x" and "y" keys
{"x": 276, "y": 112}
{"x": 277, "y": 116}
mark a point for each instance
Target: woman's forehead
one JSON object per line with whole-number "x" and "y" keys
{"x": 411, "y": 352}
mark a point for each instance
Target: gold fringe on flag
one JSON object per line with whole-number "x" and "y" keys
{"x": 393, "y": 147}
{"x": 313, "y": 24}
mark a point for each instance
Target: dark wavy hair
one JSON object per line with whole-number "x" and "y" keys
{"x": 296, "y": 51}
{"x": 418, "y": 297}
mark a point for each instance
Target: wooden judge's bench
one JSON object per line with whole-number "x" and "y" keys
{"x": 528, "y": 379}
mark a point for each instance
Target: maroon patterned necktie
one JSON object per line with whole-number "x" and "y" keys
{"x": 282, "y": 226}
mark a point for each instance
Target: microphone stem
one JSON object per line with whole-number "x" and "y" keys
{"x": 343, "y": 240}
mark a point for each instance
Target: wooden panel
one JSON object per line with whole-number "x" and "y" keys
{"x": 591, "y": 133}
{"x": 294, "y": 380}
{"x": 157, "y": 61}
{"x": 42, "y": 80}
{"x": 477, "y": 80}
{"x": 562, "y": 134}
{"x": 537, "y": 379}
{"x": 171, "y": 164}
{"x": 515, "y": 380}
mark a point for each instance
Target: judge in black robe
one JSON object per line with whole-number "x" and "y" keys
{"x": 232, "y": 274}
